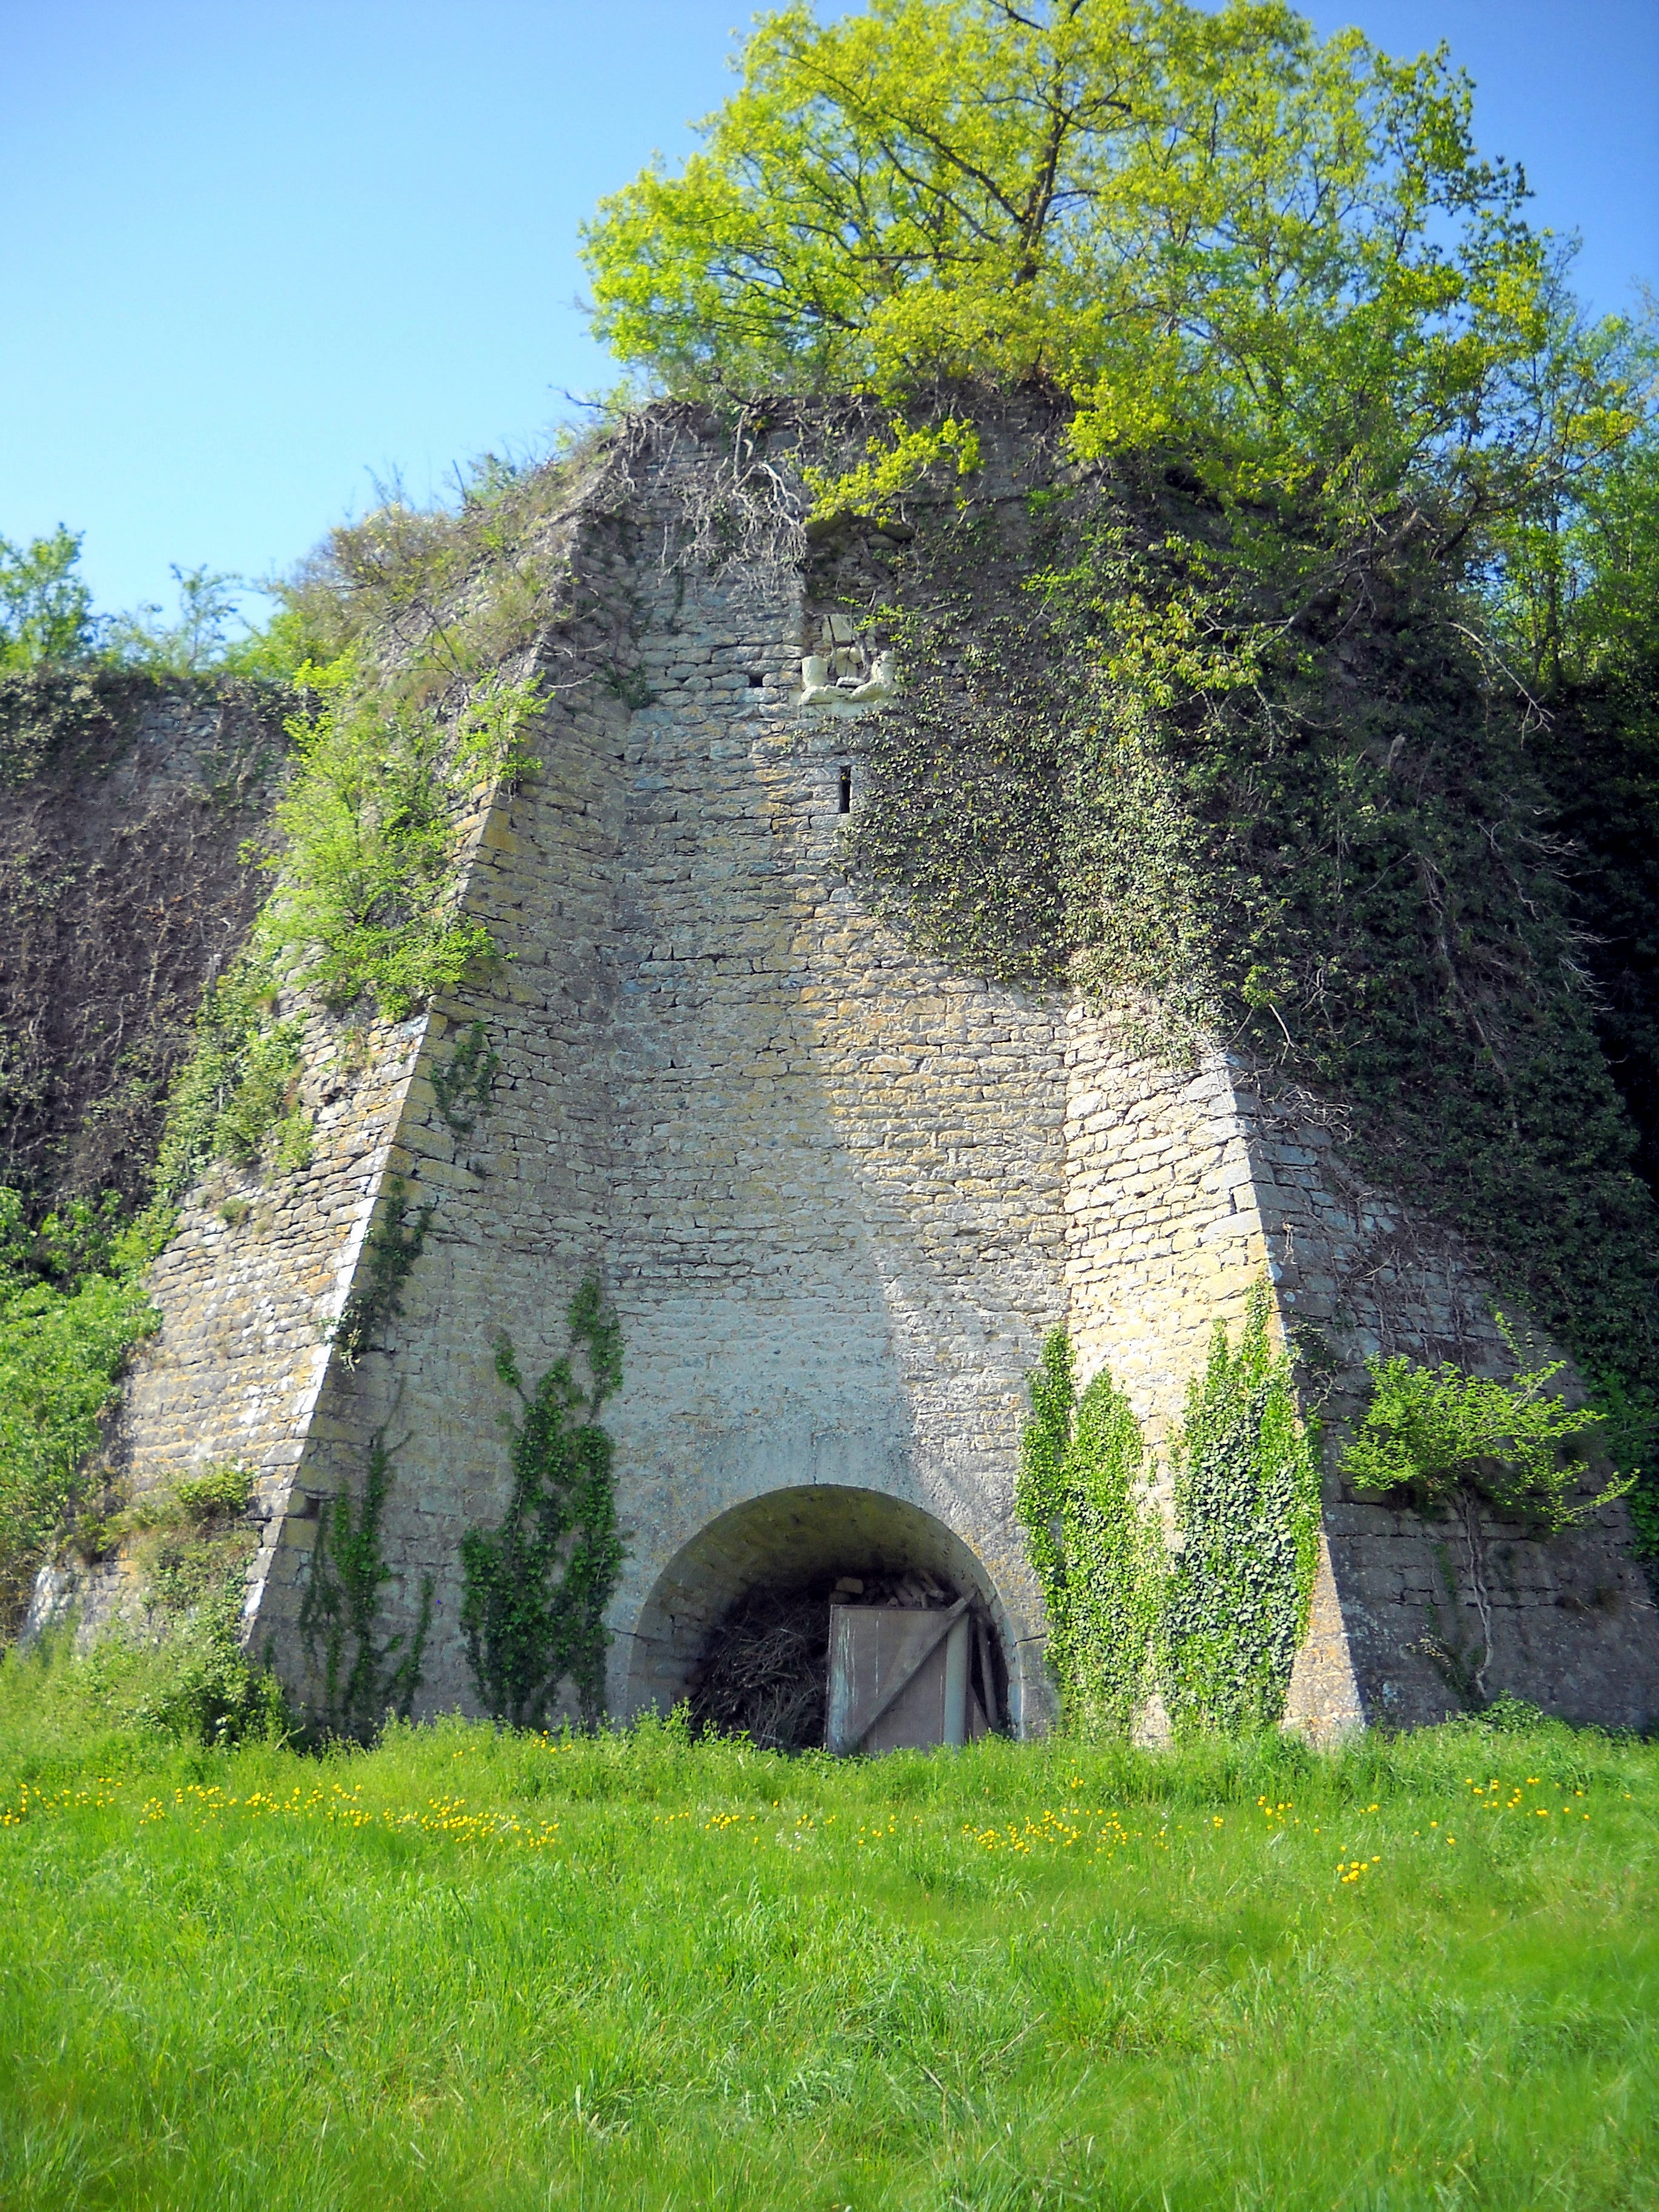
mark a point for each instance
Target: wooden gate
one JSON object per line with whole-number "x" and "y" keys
{"x": 904, "y": 1678}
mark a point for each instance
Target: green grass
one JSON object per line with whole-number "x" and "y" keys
{"x": 473, "y": 1970}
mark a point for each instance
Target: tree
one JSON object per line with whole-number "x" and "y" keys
{"x": 1280, "y": 258}
{"x": 193, "y": 645}
{"x": 45, "y": 608}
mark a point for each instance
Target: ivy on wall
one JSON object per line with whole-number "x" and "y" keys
{"x": 464, "y": 1080}
{"x": 366, "y": 1675}
{"x": 536, "y": 1587}
{"x": 1212, "y": 1621}
{"x": 394, "y": 1243}
{"x": 400, "y": 653}
{"x": 1235, "y": 1605}
{"x": 1233, "y": 780}
{"x": 1094, "y": 1540}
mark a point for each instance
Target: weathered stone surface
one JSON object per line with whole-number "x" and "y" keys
{"x": 839, "y": 1194}
{"x": 121, "y": 897}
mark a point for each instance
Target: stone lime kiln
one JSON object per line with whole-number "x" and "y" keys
{"x": 838, "y": 1193}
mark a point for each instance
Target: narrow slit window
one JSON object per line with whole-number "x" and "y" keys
{"x": 844, "y": 804}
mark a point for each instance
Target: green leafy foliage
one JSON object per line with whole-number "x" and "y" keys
{"x": 367, "y": 1677}
{"x": 49, "y": 711}
{"x": 191, "y": 1545}
{"x": 1214, "y": 1624}
{"x": 1247, "y": 1537}
{"x": 193, "y": 1679}
{"x": 1094, "y": 1541}
{"x": 368, "y": 875}
{"x": 538, "y": 1585}
{"x": 226, "y": 1489}
{"x": 1431, "y": 1431}
{"x": 194, "y": 644}
{"x": 72, "y": 1305}
{"x": 236, "y": 1097}
{"x": 1235, "y": 783}
{"x": 1218, "y": 236}
{"x": 46, "y": 607}
{"x": 1573, "y": 579}
{"x": 464, "y": 1079}
{"x": 1280, "y": 786}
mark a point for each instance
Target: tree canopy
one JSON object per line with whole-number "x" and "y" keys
{"x": 1214, "y": 233}
{"x": 46, "y": 607}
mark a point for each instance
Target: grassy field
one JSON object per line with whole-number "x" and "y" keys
{"x": 467, "y": 1970}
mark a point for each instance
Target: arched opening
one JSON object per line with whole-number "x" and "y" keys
{"x": 738, "y": 1620}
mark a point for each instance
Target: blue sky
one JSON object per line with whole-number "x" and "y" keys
{"x": 256, "y": 252}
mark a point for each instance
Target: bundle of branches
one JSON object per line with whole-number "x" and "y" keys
{"x": 766, "y": 1672}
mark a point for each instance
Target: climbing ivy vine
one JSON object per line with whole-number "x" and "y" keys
{"x": 366, "y": 1675}
{"x": 464, "y": 1080}
{"x": 393, "y": 1245}
{"x": 1094, "y": 1540}
{"x": 537, "y": 1586}
{"x": 1247, "y": 1537}
{"x": 1213, "y": 1621}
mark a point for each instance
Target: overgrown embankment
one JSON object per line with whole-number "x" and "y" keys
{"x": 1243, "y": 783}
{"x": 126, "y": 805}
{"x": 210, "y": 881}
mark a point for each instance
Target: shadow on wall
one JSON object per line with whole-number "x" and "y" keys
{"x": 737, "y": 1623}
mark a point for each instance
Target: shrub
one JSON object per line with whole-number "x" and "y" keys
{"x": 72, "y": 1305}
{"x": 1430, "y": 1433}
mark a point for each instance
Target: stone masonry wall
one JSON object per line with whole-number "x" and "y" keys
{"x": 838, "y": 1192}
{"x": 822, "y": 1179}
{"x": 1568, "y": 1623}
{"x": 121, "y": 897}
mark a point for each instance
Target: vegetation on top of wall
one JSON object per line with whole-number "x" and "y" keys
{"x": 50, "y": 712}
{"x": 536, "y": 1585}
{"x": 1328, "y": 434}
{"x": 393, "y": 647}
{"x": 1211, "y": 1619}
{"x": 46, "y": 606}
{"x": 407, "y": 721}
{"x": 1279, "y": 260}
{"x": 1237, "y": 786}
